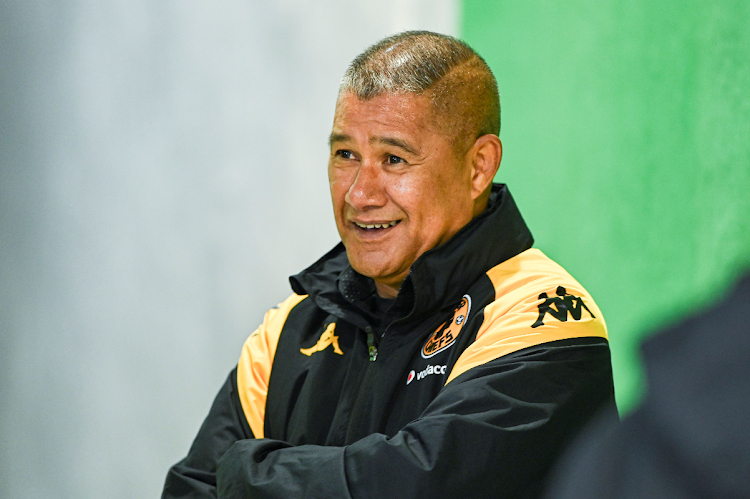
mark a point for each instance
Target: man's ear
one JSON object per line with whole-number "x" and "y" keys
{"x": 485, "y": 158}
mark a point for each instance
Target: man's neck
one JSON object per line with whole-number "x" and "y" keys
{"x": 387, "y": 290}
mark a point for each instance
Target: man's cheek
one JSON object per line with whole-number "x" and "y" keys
{"x": 339, "y": 186}
{"x": 406, "y": 190}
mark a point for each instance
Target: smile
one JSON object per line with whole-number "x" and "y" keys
{"x": 377, "y": 226}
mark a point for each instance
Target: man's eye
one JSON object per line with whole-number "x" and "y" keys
{"x": 343, "y": 153}
{"x": 394, "y": 160}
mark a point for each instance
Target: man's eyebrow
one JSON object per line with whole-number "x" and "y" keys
{"x": 391, "y": 141}
{"x": 401, "y": 144}
{"x": 337, "y": 137}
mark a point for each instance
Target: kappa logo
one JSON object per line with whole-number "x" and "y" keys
{"x": 445, "y": 335}
{"x": 327, "y": 338}
{"x": 559, "y": 306}
{"x": 431, "y": 369}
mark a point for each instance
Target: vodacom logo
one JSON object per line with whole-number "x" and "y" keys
{"x": 431, "y": 369}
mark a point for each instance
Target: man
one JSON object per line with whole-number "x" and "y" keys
{"x": 405, "y": 363}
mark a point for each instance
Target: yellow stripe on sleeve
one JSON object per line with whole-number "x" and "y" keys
{"x": 507, "y": 325}
{"x": 256, "y": 359}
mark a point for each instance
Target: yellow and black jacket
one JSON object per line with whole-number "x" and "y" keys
{"x": 489, "y": 361}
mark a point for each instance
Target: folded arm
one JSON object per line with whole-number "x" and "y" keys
{"x": 494, "y": 431}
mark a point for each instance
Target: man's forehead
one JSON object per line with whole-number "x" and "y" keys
{"x": 403, "y": 112}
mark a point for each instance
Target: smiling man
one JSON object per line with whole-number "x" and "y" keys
{"x": 400, "y": 184}
{"x": 421, "y": 357}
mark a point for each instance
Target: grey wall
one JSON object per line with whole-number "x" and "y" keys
{"x": 162, "y": 172}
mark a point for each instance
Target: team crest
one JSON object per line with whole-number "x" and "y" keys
{"x": 445, "y": 335}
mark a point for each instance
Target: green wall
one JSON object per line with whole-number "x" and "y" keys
{"x": 626, "y": 129}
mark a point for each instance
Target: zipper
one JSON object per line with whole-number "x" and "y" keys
{"x": 387, "y": 328}
{"x": 371, "y": 348}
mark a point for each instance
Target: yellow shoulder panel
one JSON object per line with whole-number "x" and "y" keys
{"x": 536, "y": 301}
{"x": 254, "y": 366}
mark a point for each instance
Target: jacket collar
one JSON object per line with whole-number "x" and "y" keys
{"x": 437, "y": 279}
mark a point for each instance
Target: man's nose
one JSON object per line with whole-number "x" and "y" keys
{"x": 367, "y": 190}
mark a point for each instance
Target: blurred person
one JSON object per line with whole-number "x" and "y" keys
{"x": 690, "y": 438}
{"x": 433, "y": 352}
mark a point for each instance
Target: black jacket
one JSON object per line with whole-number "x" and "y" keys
{"x": 489, "y": 361}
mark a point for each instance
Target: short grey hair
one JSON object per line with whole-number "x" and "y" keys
{"x": 417, "y": 62}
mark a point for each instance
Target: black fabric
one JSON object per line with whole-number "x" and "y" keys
{"x": 690, "y": 438}
{"x": 380, "y": 305}
{"x": 303, "y": 392}
{"x": 195, "y": 476}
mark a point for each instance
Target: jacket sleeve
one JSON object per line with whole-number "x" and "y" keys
{"x": 494, "y": 431}
{"x": 195, "y": 476}
{"x": 237, "y": 412}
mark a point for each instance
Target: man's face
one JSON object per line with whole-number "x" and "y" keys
{"x": 398, "y": 186}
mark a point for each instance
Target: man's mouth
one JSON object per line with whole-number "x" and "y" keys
{"x": 384, "y": 225}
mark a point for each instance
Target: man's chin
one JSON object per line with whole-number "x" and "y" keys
{"x": 379, "y": 271}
